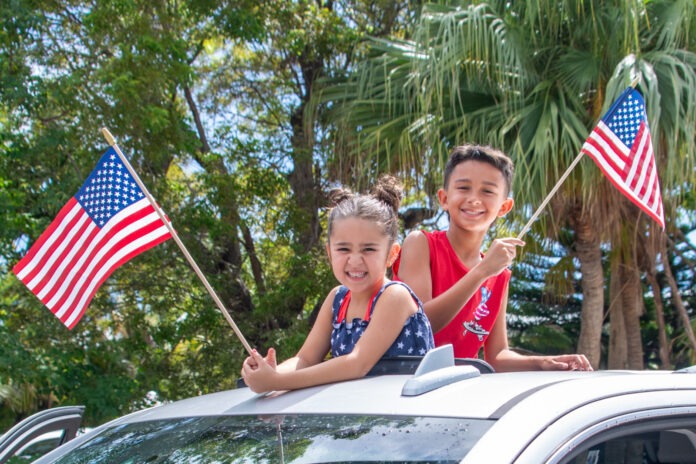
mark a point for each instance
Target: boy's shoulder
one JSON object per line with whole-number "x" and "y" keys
{"x": 422, "y": 236}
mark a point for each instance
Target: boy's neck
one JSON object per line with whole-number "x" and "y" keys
{"x": 466, "y": 244}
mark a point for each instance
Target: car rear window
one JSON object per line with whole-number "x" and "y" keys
{"x": 285, "y": 439}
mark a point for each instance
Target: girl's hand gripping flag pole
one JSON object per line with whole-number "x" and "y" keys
{"x": 620, "y": 144}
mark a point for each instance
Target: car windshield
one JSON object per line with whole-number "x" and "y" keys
{"x": 284, "y": 439}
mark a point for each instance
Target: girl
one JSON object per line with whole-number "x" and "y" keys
{"x": 367, "y": 316}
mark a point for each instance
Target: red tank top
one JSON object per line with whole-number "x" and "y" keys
{"x": 469, "y": 329}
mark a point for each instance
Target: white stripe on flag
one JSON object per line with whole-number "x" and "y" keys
{"x": 66, "y": 262}
{"x": 103, "y": 250}
{"x": 110, "y": 265}
{"x": 612, "y": 149}
{"x": 60, "y": 230}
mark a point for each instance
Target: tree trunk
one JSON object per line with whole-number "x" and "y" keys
{"x": 663, "y": 351}
{"x": 304, "y": 182}
{"x": 256, "y": 268}
{"x": 632, "y": 305}
{"x": 618, "y": 348}
{"x": 306, "y": 186}
{"x": 677, "y": 301}
{"x": 229, "y": 259}
{"x": 590, "y": 257}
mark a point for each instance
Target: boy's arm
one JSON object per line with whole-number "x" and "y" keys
{"x": 442, "y": 309}
{"x": 414, "y": 270}
{"x": 503, "y": 359}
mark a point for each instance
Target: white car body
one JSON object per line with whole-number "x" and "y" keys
{"x": 528, "y": 417}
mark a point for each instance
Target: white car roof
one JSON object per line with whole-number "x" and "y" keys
{"x": 487, "y": 396}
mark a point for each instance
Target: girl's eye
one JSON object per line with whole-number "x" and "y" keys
{"x": 368, "y": 250}
{"x": 343, "y": 250}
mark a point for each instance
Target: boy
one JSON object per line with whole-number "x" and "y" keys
{"x": 464, "y": 292}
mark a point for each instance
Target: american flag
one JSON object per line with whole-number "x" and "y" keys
{"x": 108, "y": 222}
{"x": 621, "y": 146}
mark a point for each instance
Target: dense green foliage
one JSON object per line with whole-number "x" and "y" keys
{"x": 214, "y": 104}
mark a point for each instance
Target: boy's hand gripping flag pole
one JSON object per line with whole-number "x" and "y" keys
{"x": 110, "y": 139}
{"x": 621, "y": 146}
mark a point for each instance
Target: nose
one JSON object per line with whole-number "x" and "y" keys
{"x": 354, "y": 258}
{"x": 473, "y": 199}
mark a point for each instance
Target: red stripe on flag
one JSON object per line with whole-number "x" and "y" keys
{"x": 604, "y": 143}
{"x": 151, "y": 235}
{"x": 53, "y": 271}
{"x": 639, "y": 170}
{"x": 116, "y": 235}
{"x": 81, "y": 261}
{"x": 51, "y": 238}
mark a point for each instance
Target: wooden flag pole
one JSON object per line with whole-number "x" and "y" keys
{"x": 548, "y": 197}
{"x": 110, "y": 139}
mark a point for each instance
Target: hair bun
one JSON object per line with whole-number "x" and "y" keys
{"x": 337, "y": 195}
{"x": 389, "y": 190}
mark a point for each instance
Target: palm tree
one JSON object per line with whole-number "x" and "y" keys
{"x": 533, "y": 77}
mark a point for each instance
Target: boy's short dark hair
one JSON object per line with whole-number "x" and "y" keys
{"x": 485, "y": 154}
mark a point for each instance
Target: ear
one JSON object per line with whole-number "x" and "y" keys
{"x": 506, "y": 207}
{"x": 328, "y": 251}
{"x": 442, "y": 198}
{"x": 393, "y": 254}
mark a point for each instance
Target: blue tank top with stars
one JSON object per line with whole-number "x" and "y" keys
{"x": 415, "y": 339}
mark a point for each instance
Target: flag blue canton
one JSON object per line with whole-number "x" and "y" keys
{"x": 624, "y": 119}
{"x": 108, "y": 189}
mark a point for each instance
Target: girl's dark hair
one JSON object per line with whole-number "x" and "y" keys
{"x": 380, "y": 206}
{"x": 483, "y": 153}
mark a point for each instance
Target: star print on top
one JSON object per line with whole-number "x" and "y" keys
{"x": 415, "y": 339}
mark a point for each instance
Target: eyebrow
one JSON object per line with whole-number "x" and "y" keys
{"x": 359, "y": 244}
{"x": 467, "y": 180}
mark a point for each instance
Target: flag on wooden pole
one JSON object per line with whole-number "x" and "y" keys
{"x": 108, "y": 222}
{"x": 620, "y": 144}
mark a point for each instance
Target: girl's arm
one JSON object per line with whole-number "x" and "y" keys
{"x": 394, "y": 306}
{"x": 314, "y": 348}
{"x": 318, "y": 342}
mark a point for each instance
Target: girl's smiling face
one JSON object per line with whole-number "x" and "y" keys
{"x": 360, "y": 253}
{"x": 476, "y": 195}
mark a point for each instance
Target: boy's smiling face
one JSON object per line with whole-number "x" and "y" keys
{"x": 475, "y": 196}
